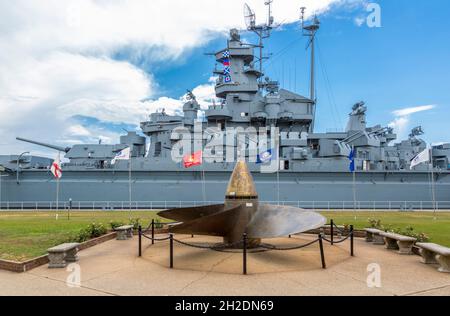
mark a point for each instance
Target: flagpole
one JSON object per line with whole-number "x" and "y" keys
{"x": 129, "y": 181}
{"x": 354, "y": 182}
{"x": 203, "y": 181}
{"x": 57, "y": 186}
{"x": 433, "y": 187}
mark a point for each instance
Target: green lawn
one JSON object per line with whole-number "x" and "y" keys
{"x": 437, "y": 229}
{"x": 28, "y": 235}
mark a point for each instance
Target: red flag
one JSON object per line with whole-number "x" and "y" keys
{"x": 193, "y": 160}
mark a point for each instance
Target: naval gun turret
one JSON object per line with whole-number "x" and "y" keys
{"x": 54, "y": 147}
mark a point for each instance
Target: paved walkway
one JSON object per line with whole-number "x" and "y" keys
{"x": 113, "y": 268}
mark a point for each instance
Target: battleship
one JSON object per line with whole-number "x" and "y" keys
{"x": 313, "y": 167}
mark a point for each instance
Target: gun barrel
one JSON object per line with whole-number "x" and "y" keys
{"x": 58, "y": 148}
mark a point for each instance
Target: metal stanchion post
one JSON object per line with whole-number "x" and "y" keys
{"x": 245, "y": 254}
{"x": 352, "y": 232}
{"x": 332, "y": 232}
{"x": 322, "y": 253}
{"x": 153, "y": 231}
{"x": 140, "y": 241}
{"x": 171, "y": 251}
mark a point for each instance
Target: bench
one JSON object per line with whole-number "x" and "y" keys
{"x": 124, "y": 232}
{"x": 403, "y": 244}
{"x": 373, "y": 235}
{"x": 60, "y": 255}
{"x": 435, "y": 254}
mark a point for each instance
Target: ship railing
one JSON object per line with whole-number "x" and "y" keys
{"x": 159, "y": 205}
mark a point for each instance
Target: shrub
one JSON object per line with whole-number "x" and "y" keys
{"x": 374, "y": 223}
{"x": 409, "y": 231}
{"x": 135, "y": 222}
{"x": 115, "y": 225}
{"x": 158, "y": 224}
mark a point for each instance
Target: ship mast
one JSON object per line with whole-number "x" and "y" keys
{"x": 262, "y": 31}
{"x": 310, "y": 31}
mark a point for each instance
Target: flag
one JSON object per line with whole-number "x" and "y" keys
{"x": 122, "y": 155}
{"x": 266, "y": 157}
{"x": 227, "y": 79}
{"x": 351, "y": 157}
{"x": 226, "y": 62}
{"x": 193, "y": 160}
{"x": 226, "y": 54}
{"x": 56, "y": 168}
{"x": 423, "y": 157}
{"x": 227, "y": 70}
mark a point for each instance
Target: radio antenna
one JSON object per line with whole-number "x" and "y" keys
{"x": 310, "y": 31}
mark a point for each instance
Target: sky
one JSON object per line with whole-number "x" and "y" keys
{"x": 77, "y": 71}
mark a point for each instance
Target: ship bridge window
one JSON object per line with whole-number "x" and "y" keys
{"x": 244, "y": 114}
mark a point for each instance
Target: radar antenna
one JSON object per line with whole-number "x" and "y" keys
{"x": 262, "y": 31}
{"x": 310, "y": 31}
{"x": 250, "y": 17}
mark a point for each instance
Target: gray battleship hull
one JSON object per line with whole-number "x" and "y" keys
{"x": 158, "y": 190}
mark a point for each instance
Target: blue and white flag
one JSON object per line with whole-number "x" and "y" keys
{"x": 421, "y": 158}
{"x": 266, "y": 157}
{"x": 351, "y": 157}
{"x": 123, "y": 155}
{"x": 226, "y": 54}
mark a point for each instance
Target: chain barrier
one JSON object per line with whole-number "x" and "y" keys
{"x": 271, "y": 247}
{"x": 215, "y": 247}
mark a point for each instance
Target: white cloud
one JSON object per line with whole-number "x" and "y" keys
{"x": 56, "y": 59}
{"x": 413, "y": 110}
{"x": 401, "y": 123}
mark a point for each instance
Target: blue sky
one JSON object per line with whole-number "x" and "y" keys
{"x": 80, "y": 71}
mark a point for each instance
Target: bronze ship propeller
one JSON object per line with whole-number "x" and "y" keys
{"x": 242, "y": 213}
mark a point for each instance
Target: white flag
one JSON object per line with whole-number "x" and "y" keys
{"x": 423, "y": 157}
{"x": 56, "y": 168}
{"x": 123, "y": 155}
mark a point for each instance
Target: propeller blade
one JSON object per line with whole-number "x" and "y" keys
{"x": 219, "y": 224}
{"x": 191, "y": 213}
{"x": 272, "y": 221}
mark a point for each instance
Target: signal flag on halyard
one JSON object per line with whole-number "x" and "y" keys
{"x": 56, "y": 168}
{"x": 193, "y": 160}
{"x": 123, "y": 155}
{"x": 351, "y": 157}
{"x": 423, "y": 157}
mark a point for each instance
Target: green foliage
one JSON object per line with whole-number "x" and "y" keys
{"x": 407, "y": 231}
{"x": 158, "y": 224}
{"x": 135, "y": 222}
{"x": 116, "y": 224}
{"x": 92, "y": 231}
{"x": 375, "y": 223}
